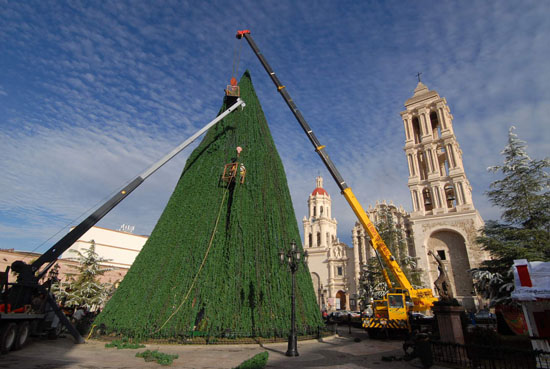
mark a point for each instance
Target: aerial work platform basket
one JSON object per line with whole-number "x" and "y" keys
{"x": 233, "y": 89}
{"x": 230, "y": 170}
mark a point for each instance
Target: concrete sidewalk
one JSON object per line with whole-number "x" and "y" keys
{"x": 340, "y": 351}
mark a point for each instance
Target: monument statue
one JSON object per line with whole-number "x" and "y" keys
{"x": 442, "y": 283}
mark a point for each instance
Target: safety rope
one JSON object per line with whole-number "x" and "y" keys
{"x": 202, "y": 264}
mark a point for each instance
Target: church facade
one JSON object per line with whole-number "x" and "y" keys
{"x": 330, "y": 261}
{"x": 443, "y": 219}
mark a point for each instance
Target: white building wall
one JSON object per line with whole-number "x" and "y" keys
{"x": 120, "y": 247}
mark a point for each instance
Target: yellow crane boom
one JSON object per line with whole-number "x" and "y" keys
{"x": 422, "y": 298}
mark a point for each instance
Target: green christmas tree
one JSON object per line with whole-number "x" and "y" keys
{"x": 211, "y": 264}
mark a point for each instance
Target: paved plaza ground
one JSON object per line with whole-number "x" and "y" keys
{"x": 339, "y": 351}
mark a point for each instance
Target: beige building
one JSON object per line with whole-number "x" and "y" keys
{"x": 330, "y": 261}
{"x": 362, "y": 248}
{"x": 119, "y": 246}
{"x": 443, "y": 220}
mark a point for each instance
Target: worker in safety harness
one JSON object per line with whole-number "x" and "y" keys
{"x": 242, "y": 169}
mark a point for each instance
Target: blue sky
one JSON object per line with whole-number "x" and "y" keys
{"x": 93, "y": 92}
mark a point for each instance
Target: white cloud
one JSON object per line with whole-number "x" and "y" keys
{"x": 93, "y": 94}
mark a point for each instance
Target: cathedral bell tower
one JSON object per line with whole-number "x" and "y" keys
{"x": 437, "y": 180}
{"x": 319, "y": 227}
{"x": 329, "y": 259}
{"x": 444, "y": 219}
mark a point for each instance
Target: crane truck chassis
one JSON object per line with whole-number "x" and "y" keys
{"x": 21, "y": 314}
{"x": 387, "y": 315}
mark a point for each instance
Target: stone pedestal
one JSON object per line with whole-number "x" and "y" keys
{"x": 448, "y": 321}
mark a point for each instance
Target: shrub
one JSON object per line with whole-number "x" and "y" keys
{"x": 258, "y": 361}
{"x": 159, "y": 357}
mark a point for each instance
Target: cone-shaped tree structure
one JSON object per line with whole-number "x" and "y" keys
{"x": 211, "y": 264}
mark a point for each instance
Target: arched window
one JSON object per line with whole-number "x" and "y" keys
{"x": 416, "y": 130}
{"x": 436, "y": 128}
{"x": 318, "y": 238}
{"x": 328, "y": 237}
{"x": 314, "y": 211}
{"x": 310, "y": 239}
{"x": 321, "y": 211}
{"x": 450, "y": 196}
{"x": 428, "y": 201}
{"x": 443, "y": 163}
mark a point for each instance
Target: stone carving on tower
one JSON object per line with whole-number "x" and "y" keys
{"x": 330, "y": 261}
{"x": 444, "y": 219}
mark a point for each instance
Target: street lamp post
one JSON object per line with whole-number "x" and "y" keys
{"x": 292, "y": 258}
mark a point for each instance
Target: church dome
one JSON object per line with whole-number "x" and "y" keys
{"x": 319, "y": 191}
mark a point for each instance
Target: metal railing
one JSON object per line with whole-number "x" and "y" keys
{"x": 488, "y": 357}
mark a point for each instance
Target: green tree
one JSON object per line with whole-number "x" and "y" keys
{"x": 83, "y": 287}
{"x": 211, "y": 265}
{"x": 373, "y": 284}
{"x": 523, "y": 192}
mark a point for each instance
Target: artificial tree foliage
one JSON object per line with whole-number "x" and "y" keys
{"x": 210, "y": 266}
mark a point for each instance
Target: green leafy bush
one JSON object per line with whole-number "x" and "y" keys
{"x": 159, "y": 357}
{"x": 258, "y": 361}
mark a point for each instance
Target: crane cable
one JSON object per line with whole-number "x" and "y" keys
{"x": 236, "y": 58}
{"x": 202, "y": 264}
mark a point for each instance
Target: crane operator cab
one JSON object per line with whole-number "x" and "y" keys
{"x": 396, "y": 306}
